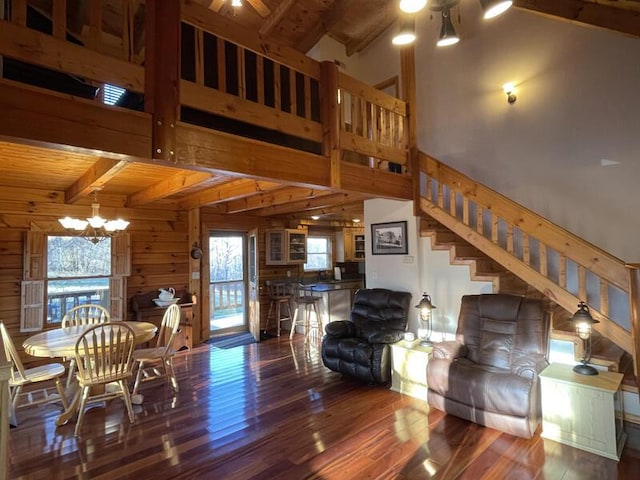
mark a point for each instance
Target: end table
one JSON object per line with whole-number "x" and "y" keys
{"x": 409, "y": 368}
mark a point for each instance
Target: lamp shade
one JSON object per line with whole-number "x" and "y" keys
{"x": 448, "y": 35}
{"x": 406, "y": 34}
{"x": 412, "y": 6}
{"x": 583, "y": 321}
{"x": 493, "y": 8}
{"x": 424, "y": 305}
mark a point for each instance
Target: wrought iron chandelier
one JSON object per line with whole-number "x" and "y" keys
{"x": 95, "y": 228}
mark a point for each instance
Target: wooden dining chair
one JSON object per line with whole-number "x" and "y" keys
{"x": 104, "y": 354}
{"x": 157, "y": 362}
{"x": 90, "y": 314}
{"x": 21, "y": 377}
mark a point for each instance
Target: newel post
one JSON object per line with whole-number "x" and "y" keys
{"x": 634, "y": 311}
{"x": 408, "y": 88}
{"x": 162, "y": 74}
{"x": 330, "y": 119}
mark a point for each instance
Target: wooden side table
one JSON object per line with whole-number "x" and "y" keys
{"x": 584, "y": 411}
{"x": 409, "y": 368}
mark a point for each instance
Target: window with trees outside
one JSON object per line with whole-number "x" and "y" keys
{"x": 318, "y": 253}
{"x": 77, "y": 273}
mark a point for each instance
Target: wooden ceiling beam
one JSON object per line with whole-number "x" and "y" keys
{"x": 227, "y": 191}
{"x": 276, "y": 16}
{"x": 329, "y": 20}
{"x": 355, "y": 207}
{"x": 359, "y": 44}
{"x": 260, "y": 7}
{"x": 167, "y": 187}
{"x": 271, "y": 199}
{"x": 325, "y": 201}
{"x": 620, "y": 18}
{"x": 216, "y": 5}
{"x": 95, "y": 178}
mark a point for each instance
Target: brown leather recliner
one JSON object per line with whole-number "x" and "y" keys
{"x": 489, "y": 374}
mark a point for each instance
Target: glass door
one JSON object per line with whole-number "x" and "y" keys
{"x": 227, "y": 282}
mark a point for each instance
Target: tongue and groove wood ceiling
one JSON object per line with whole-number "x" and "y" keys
{"x": 295, "y": 23}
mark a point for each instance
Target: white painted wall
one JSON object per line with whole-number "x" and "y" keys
{"x": 422, "y": 270}
{"x": 578, "y": 103}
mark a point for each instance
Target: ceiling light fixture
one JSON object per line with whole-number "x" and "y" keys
{"x": 95, "y": 228}
{"x": 356, "y": 220}
{"x": 315, "y": 217}
{"x": 236, "y": 3}
{"x": 448, "y": 35}
{"x": 407, "y": 32}
{"x": 493, "y": 8}
{"x": 412, "y": 6}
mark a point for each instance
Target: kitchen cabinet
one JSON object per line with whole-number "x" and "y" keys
{"x": 286, "y": 246}
{"x": 350, "y": 245}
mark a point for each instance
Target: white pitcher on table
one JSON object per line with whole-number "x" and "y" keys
{"x": 167, "y": 294}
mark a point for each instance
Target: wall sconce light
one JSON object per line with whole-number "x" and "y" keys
{"x": 510, "y": 91}
{"x": 424, "y": 332}
{"x": 583, "y": 322}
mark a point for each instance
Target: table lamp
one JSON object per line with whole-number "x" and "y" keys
{"x": 583, "y": 322}
{"x": 424, "y": 332}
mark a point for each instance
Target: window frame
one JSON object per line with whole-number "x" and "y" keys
{"x": 328, "y": 254}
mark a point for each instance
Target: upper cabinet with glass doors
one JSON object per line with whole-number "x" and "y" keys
{"x": 286, "y": 246}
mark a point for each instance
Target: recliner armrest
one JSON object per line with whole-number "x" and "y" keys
{"x": 529, "y": 366}
{"x": 340, "y": 328}
{"x": 385, "y": 336}
{"x": 449, "y": 350}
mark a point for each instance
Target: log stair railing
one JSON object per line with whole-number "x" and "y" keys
{"x": 520, "y": 251}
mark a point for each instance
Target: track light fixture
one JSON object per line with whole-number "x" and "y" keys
{"x": 448, "y": 35}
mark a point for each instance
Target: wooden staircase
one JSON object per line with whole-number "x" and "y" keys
{"x": 448, "y": 220}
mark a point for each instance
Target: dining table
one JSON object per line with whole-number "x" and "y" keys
{"x": 61, "y": 342}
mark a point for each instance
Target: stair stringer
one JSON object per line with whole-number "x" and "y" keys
{"x": 548, "y": 288}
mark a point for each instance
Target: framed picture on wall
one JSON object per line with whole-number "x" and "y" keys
{"x": 389, "y": 238}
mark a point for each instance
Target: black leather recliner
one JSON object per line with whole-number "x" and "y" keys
{"x": 359, "y": 347}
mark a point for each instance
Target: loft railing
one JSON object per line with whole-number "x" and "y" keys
{"x": 225, "y": 71}
{"x": 372, "y": 124}
{"x": 224, "y": 78}
{"x": 564, "y": 267}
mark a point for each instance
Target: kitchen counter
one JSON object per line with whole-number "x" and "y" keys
{"x": 337, "y": 297}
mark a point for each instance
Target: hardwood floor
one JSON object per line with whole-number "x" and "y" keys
{"x": 272, "y": 411}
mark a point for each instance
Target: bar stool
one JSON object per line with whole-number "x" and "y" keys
{"x": 279, "y": 303}
{"x": 309, "y": 303}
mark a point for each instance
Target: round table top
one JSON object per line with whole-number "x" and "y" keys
{"x": 61, "y": 342}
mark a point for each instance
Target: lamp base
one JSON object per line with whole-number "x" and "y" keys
{"x": 584, "y": 369}
{"x": 426, "y": 343}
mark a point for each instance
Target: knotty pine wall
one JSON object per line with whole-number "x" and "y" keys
{"x": 159, "y": 259}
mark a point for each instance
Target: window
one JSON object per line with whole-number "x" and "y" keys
{"x": 111, "y": 94}
{"x": 77, "y": 273}
{"x": 318, "y": 253}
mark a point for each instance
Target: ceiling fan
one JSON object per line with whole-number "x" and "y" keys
{"x": 258, "y": 6}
